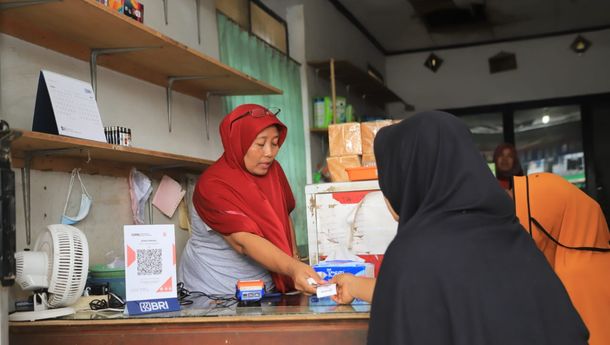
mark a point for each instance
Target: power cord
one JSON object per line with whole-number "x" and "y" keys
{"x": 113, "y": 302}
{"x": 222, "y": 301}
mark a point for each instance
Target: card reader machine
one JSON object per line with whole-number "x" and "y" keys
{"x": 249, "y": 290}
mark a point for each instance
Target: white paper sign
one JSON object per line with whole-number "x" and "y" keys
{"x": 150, "y": 265}
{"x": 74, "y": 106}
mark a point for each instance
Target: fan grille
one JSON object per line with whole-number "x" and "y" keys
{"x": 69, "y": 263}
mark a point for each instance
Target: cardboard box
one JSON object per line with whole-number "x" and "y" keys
{"x": 344, "y": 139}
{"x": 368, "y": 131}
{"x": 337, "y": 165}
{"x": 368, "y": 160}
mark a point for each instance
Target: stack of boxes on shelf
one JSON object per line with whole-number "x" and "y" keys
{"x": 351, "y": 146}
{"x": 130, "y": 8}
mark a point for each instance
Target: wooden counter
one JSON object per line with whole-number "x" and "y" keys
{"x": 297, "y": 325}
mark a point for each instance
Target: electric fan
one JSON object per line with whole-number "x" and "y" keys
{"x": 56, "y": 270}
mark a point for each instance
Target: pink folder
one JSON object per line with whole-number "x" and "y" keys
{"x": 168, "y": 196}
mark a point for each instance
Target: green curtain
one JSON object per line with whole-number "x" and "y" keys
{"x": 254, "y": 57}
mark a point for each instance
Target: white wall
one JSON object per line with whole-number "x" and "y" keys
{"x": 547, "y": 68}
{"x": 328, "y": 34}
{"x": 123, "y": 101}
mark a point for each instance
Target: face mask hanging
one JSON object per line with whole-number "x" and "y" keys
{"x": 85, "y": 202}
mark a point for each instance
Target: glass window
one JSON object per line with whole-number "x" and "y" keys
{"x": 487, "y": 131}
{"x": 550, "y": 139}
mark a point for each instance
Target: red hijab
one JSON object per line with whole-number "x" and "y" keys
{"x": 230, "y": 199}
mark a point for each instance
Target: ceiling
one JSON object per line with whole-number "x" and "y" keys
{"x": 406, "y": 26}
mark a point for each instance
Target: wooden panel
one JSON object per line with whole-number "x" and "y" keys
{"x": 74, "y": 27}
{"x": 359, "y": 82}
{"x": 237, "y": 10}
{"x": 319, "y": 331}
{"x": 268, "y": 28}
{"x": 96, "y": 157}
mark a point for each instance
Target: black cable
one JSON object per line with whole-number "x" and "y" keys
{"x": 222, "y": 301}
{"x": 113, "y": 302}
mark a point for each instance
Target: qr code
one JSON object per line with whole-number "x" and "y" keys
{"x": 149, "y": 261}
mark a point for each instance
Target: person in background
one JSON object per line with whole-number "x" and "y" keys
{"x": 242, "y": 227}
{"x": 571, "y": 230}
{"x": 460, "y": 270}
{"x": 507, "y": 164}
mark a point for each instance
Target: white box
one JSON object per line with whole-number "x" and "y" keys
{"x": 349, "y": 214}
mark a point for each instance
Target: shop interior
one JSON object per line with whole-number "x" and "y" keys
{"x": 163, "y": 75}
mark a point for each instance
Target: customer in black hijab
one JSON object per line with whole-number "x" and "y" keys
{"x": 460, "y": 270}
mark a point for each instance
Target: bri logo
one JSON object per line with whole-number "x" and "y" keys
{"x": 331, "y": 273}
{"x": 153, "y": 306}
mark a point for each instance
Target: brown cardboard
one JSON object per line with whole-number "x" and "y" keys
{"x": 368, "y": 131}
{"x": 337, "y": 165}
{"x": 344, "y": 139}
{"x": 368, "y": 160}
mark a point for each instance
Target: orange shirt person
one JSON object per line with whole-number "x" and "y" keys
{"x": 581, "y": 258}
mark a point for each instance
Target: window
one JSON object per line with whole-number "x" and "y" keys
{"x": 255, "y": 17}
{"x": 487, "y": 131}
{"x": 549, "y": 139}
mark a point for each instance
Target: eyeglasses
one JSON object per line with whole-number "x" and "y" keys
{"x": 259, "y": 112}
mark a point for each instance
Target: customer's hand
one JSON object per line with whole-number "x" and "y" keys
{"x": 345, "y": 285}
{"x": 300, "y": 272}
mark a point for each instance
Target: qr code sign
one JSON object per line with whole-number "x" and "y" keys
{"x": 149, "y": 261}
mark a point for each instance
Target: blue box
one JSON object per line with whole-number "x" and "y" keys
{"x": 328, "y": 269}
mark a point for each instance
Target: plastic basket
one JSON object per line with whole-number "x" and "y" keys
{"x": 362, "y": 173}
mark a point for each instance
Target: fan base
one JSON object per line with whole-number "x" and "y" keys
{"x": 40, "y": 315}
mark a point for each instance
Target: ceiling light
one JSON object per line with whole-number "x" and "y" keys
{"x": 503, "y": 61}
{"x": 546, "y": 119}
{"x": 433, "y": 62}
{"x": 580, "y": 45}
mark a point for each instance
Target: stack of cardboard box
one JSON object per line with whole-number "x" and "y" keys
{"x": 350, "y": 146}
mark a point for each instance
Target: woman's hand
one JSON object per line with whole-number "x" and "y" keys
{"x": 300, "y": 272}
{"x": 345, "y": 284}
{"x": 350, "y": 287}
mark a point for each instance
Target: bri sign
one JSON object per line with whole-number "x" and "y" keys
{"x": 152, "y": 306}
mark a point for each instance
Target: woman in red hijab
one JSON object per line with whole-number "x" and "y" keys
{"x": 507, "y": 164}
{"x": 243, "y": 201}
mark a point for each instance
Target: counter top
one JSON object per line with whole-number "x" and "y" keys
{"x": 205, "y": 310}
{"x": 290, "y": 320}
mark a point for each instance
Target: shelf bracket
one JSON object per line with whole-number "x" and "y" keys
{"x": 95, "y": 52}
{"x": 206, "y": 114}
{"x": 165, "y": 11}
{"x": 197, "y": 4}
{"x": 25, "y": 189}
{"x": 15, "y": 4}
{"x": 170, "y": 86}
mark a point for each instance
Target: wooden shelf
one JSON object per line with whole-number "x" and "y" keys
{"x": 359, "y": 82}
{"x": 59, "y": 153}
{"x": 75, "y": 27}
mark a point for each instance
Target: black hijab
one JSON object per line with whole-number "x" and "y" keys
{"x": 460, "y": 270}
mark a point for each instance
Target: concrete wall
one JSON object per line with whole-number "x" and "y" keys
{"x": 547, "y": 68}
{"x": 123, "y": 101}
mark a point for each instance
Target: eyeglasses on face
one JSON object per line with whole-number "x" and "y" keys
{"x": 259, "y": 112}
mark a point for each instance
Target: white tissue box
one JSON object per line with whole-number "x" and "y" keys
{"x": 330, "y": 268}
